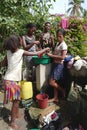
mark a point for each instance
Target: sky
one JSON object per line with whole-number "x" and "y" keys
{"x": 60, "y": 6}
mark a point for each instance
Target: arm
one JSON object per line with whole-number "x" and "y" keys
{"x": 26, "y": 47}
{"x": 52, "y": 40}
{"x": 40, "y": 37}
{"x": 55, "y": 57}
{"x": 35, "y": 53}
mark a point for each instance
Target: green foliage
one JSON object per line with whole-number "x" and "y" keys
{"x": 76, "y": 35}
{"x": 75, "y": 8}
{"x": 83, "y": 51}
{"x": 85, "y": 13}
{"x": 2, "y": 69}
{"x": 15, "y": 14}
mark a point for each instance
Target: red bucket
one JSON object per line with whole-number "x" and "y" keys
{"x": 42, "y": 100}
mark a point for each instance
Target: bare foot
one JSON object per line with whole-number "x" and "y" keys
{"x": 53, "y": 100}
{"x": 56, "y": 101}
{"x": 14, "y": 126}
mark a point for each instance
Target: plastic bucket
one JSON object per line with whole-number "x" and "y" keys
{"x": 26, "y": 90}
{"x": 42, "y": 100}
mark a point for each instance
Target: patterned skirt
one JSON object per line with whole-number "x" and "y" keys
{"x": 11, "y": 91}
{"x": 57, "y": 71}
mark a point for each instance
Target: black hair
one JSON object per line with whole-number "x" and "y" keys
{"x": 62, "y": 31}
{"x": 12, "y": 43}
{"x": 30, "y": 25}
{"x": 47, "y": 23}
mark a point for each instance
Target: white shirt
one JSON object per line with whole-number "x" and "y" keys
{"x": 59, "y": 48}
{"x": 14, "y": 70}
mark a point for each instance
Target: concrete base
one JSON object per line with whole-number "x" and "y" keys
{"x": 42, "y": 75}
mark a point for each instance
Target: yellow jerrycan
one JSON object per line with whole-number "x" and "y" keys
{"x": 26, "y": 90}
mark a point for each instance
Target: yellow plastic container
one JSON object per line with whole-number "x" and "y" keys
{"x": 20, "y": 84}
{"x": 26, "y": 90}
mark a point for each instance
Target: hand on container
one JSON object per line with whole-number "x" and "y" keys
{"x": 36, "y": 42}
{"x": 44, "y": 51}
{"x": 47, "y": 49}
{"x": 49, "y": 54}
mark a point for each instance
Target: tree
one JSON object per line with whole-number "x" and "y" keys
{"x": 15, "y": 14}
{"x": 85, "y": 13}
{"x": 75, "y": 8}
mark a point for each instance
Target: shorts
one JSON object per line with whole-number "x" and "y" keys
{"x": 11, "y": 91}
{"x": 57, "y": 71}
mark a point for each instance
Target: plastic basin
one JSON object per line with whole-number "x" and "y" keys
{"x": 42, "y": 60}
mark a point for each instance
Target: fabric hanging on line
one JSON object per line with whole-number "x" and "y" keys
{"x": 64, "y": 23}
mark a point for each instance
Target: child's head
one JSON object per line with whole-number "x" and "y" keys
{"x": 31, "y": 28}
{"x": 60, "y": 35}
{"x": 12, "y": 43}
{"x": 47, "y": 26}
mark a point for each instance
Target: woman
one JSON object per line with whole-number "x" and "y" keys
{"x": 58, "y": 56}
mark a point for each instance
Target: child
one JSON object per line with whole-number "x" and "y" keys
{"x": 46, "y": 38}
{"x": 57, "y": 67}
{"x": 13, "y": 74}
{"x": 29, "y": 44}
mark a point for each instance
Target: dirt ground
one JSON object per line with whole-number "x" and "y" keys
{"x": 5, "y": 116}
{"x": 5, "y": 113}
{"x": 24, "y": 125}
{"x": 63, "y": 107}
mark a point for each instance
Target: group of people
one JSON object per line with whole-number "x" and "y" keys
{"x": 31, "y": 47}
{"x": 31, "y": 44}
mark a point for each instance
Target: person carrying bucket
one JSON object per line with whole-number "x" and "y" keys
{"x": 13, "y": 75}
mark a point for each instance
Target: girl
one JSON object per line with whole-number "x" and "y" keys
{"x": 46, "y": 38}
{"x": 13, "y": 74}
{"x": 29, "y": 44}
{"x": 57, "y": 69}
